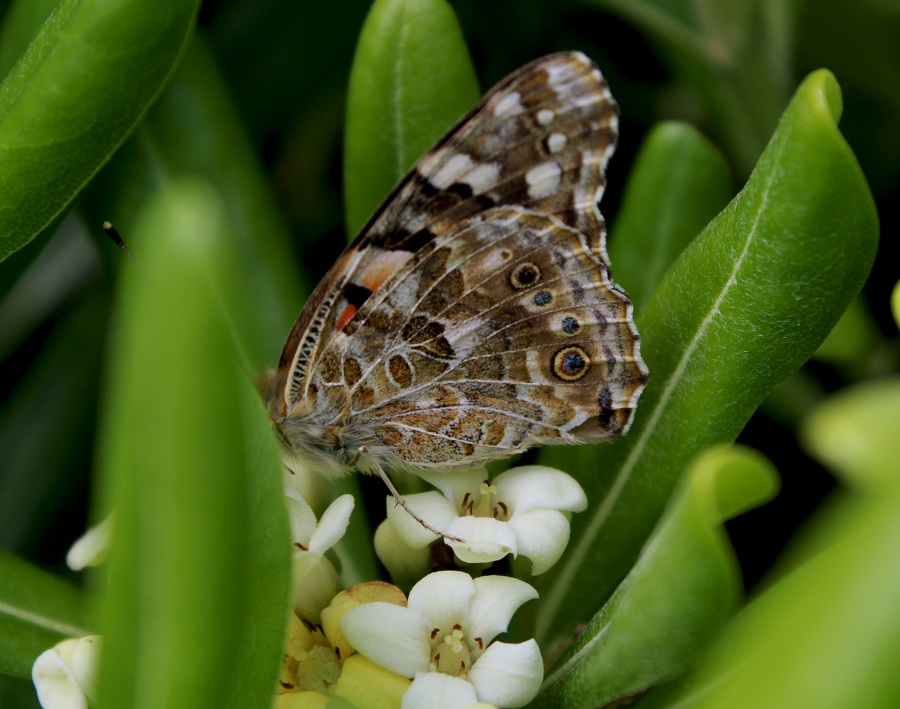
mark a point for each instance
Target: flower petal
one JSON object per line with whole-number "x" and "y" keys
{"x": 435, "y": 690}
{"x": 391, "y": 636}
{"x": 301, "y": 700}
{"x": 508, "y": 675}
{"x": 405, "y": 564}
{"x": 314, "y": 581}
{"x": 361, "y": 593}
{"x": 539, "y": 486}
{"x": 497, "y": 598}
{"x": 92, "y": 547}
{"x": 542, "y": 536}
{"x": 455, "y": 484}
{"x": 443, "y": 598}
{"x": 363, "y": 684}
{"x": 486, "y": 539}
{"x": 430, "y": 506}
{"x": 85, "y": 663}
{"x": 312, "y": 486}
{"x": 332, "y": 524}
{"x": 56, "y": 685}
{"x": 301, "y": 516}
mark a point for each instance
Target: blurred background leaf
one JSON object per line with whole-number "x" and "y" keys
{"x": 199, "y": 565}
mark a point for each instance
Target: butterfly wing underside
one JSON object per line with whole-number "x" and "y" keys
{"x": 474, "y": 316}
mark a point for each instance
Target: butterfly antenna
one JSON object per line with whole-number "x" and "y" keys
{"x": 402, "y": 501}
{"x": 113, "y": 234}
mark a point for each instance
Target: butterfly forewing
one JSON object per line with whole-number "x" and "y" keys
{"x": 474, "y": 316}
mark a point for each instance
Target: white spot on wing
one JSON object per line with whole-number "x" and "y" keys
{"x": 556, "y": 142}
{"x": 483, "y": 177}
{"x": 509, "y": 105}
{"x": 544, "y": 116}
{"x": 543, "y": 180}
{"x": 449, "y": 173}
{"x": 558, "y": 74}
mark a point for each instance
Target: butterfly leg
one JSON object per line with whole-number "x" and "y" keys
{"x": 402, "y": 501}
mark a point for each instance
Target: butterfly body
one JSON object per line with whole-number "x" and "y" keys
{"x": 475, "y": 316}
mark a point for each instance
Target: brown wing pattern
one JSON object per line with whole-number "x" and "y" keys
{"x": 539, "y": 139}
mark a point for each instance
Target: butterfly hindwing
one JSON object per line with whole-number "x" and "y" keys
{"x": 505, "y": 336}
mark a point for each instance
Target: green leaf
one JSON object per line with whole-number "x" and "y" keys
{"x": 678, "y": 183}
{"x": 745, "y": 305}
{"x": 826, "y": 635}
{"x": 199, "y": 569}
{"x": 79, "y": 89}
{"x": 856, "y": 433}
{"x": 684, "y": 586}
{"x": 37, "y": 610}
{"x": 412, "y": 79}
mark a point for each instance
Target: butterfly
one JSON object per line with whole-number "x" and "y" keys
{"x": 474, "y": 316}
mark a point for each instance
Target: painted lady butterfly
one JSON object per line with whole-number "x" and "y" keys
{"x": 474, "y": 316}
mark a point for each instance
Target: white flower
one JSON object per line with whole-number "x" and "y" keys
{"x": 315, "y": 580}
{"x": 442, "y": 640}
{"x": 65, "y": 676}
{"x": 404, "y": 563}
{"x": 92, "y": 547}
{"x": 523, "y": 511}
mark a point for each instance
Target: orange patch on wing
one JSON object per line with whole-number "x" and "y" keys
{"x": 344, "y": 317}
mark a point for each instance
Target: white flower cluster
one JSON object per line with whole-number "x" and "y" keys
{"x": 436, "y": 648}
{"x": 442, "y": 637}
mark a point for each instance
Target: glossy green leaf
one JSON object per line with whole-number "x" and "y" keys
{"x": 412, "y": 79}
{"x": 745, "y": 305}
{"x": 199, "y": 568}
{"x": 677, "y": 184}
{"x": 37, "y": 610}
{"x": 856, "y": 433}
{"x": 19, "y": 25}
{"x": 79, "y": 89}
{"x": 826, "y": 635}
{"x": 684, "y": 586}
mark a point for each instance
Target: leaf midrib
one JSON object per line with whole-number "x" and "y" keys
{"x": 42, "y": 621}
